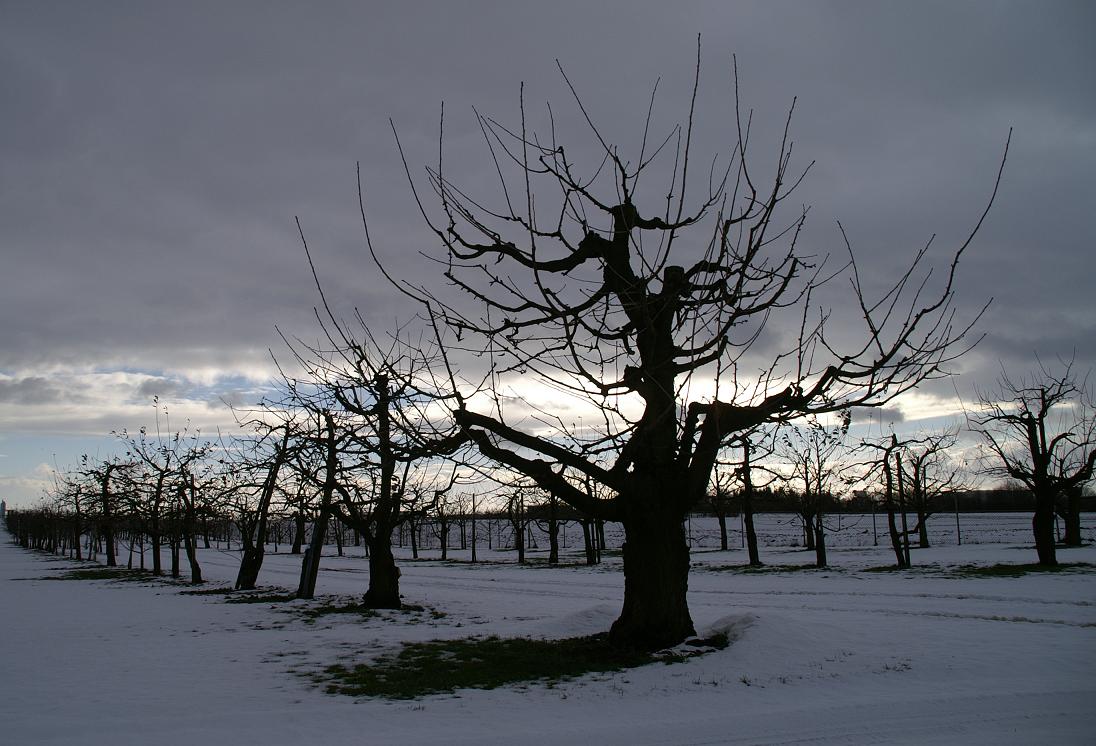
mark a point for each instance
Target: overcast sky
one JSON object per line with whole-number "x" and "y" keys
{"x": 155, "y": 155}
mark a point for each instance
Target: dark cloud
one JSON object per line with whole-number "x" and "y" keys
{"x": 31, "y": 391}
{"x": 884, "y": 415}
{"x": 161, "y": 388}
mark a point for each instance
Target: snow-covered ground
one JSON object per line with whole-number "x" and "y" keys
{"x": 842, "y": 655}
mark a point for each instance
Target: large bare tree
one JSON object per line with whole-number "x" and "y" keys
{"x": 1041, "y": 430}
{"x": 598, "y": 284}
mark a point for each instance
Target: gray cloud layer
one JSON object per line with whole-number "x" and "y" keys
{"x": 155, "y": 153}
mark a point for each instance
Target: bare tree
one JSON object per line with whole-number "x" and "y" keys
{"x": 104, "y": 477}
{"x": 569, "y": 281}
{"x": 887, "y": 464}
{"x": 261, "y": 467}
{"x": 931, "y": 476}
{"x": 1041, "y": 431}
{"x": 720, "y": 500}
{"x": 162, "y": 462}
{"x": 752, "y": 445}
{"x": 815, "y": 453}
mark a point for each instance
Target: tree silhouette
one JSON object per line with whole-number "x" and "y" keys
{"x": 648, "y": 314}
{"x": 1041, "y": 431}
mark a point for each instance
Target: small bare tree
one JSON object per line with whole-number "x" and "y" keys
{"x": 931, "y": 475}
{"x": 814, "y": 451}
{"x": 1041, "y": 431}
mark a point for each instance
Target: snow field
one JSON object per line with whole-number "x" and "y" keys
{"x": 842, "y": 655}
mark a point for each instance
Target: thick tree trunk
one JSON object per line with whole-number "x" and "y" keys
{"x": 310, "y": 564}
{"x": 922, "y": 529}
{"x": 656, "y": 581}
{"x": 384, "y": 576}
{"x": 1042, "y": 525}
{"x": 722, "y": 518}
{"x": 251, "y": 561}
{"x": 1071, "y": 517}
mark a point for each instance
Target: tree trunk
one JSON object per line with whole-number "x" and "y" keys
{"x": 412, "y": 526}
{"x": 310, "y": 566}
{"x": 588, "y": 540}
{"x": 251, "y": 560}
{"x": 298, "y": 533}
{"x": 190, "y": 544}
{"x": 1042, "y": 525}
{"x": 175, "y": 556}
{"x": 156, "y": 539}
{"x": 108, "y": 537}
{"x": 922, "y": 529}
{"x": 310, "y": 563}
{"x": 553, "y": 541}
{"x": 1071, "y": 516}
{"x": 902, "y": 508}
{"x": 384, "y": 576}
{"x": 722, "y": 518}
{"x": 819, "y": 540}
{"x": 656, "y": 581}
{"x": 747, "y": 505}
{"x": 892, "y": 525}
{"x": 192, "y": 556}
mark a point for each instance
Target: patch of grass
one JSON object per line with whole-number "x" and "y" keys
{"x": 1000, "y": 570}
{"x": 260, "y": 598}
{"x": 893, "y": 568}
{"x": 1016, "y": 571}
{"x": 312, "y": 613}
{"x": 443, "y": 666}
{"x": 763, "y": 569}
{"x": 107, "y": 573}
{"x": 208, "y": 592}
{"x": 440, "y": 666}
